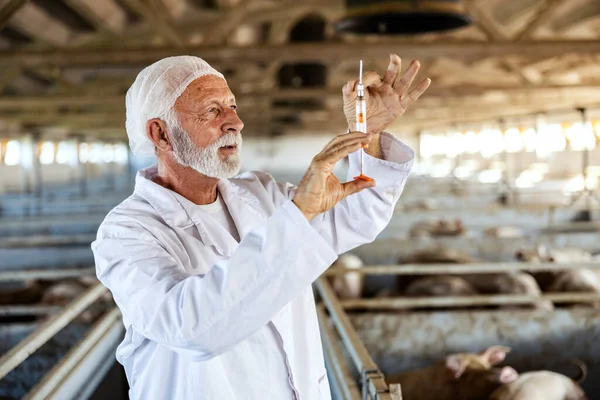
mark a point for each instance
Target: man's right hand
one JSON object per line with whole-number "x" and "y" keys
{"x": 319, "y": 189}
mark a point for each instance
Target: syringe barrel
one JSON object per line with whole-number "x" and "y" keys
{"x": 361, "y": 114}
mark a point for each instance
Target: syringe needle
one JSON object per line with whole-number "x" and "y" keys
{"x": 360, "y": 73}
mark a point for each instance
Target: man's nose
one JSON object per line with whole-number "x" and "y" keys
{"x": 233, "y": 122}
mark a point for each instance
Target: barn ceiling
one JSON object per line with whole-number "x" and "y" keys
{"x": 66, "y": 64}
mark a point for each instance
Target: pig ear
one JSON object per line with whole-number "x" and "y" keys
{"x": 508, "y": 375}
{"x": 495, "y": 354}
{"x": 456, "y": 364}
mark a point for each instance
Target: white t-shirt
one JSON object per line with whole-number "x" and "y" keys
{"x": 218, "y": 210}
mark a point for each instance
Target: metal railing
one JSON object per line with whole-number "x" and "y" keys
{"x": 46, "y": 274}
{"x": 464, "y": 301}
{"x": 470, "y": 268}
{"x": 15, "y": 356}
{"x": 373, "y": 385}
{"x": 46, "y": 241}
{"x": 52, "y": 381}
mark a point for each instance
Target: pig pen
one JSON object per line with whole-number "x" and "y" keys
{"x": 55, "y": 356}
{"x": 366, "y": 340}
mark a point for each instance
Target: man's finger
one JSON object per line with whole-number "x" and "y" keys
{"x": 356, "y": 186}
{"x": 414, "y": 94}
{"x": 393, "y": 70}
{"x": 341, "y": 141}
{"x": 345, "y": 137}
{"x": 371, "y": 78}
{"x": 365, "y": 139}
{"x": 349, "y": 89}
{"x": 335, "y": 156}
{"x": 404, "y": 81}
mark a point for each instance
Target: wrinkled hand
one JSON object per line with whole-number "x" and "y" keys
{"x": 319, "y": 189}
{"x": 387, "y": 98}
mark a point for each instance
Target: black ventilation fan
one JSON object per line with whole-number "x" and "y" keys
{"x": 398, "y": 17}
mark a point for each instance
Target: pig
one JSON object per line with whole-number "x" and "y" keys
{"x": 430, "y": 255}
{"x": 463, "y": 376}
{"x": 544, "y": 254}
{"x": 580, "y": 280}
{"x": 63, "y": 292}
{"x": 542, "y": 385}
{"x": 421, "y": 205}
{"x": 440, "y": 285}
{"x": 519, "y": 283}
{"x": 438, "y": 255}
{"x": 441, "y": 227}
{"x": 56, "y": 293}
{"x": 350, "y": 285}
{"x": 505, "y": 232}
{"x": 31, "y": 292}
{"x": 509, "y": 283}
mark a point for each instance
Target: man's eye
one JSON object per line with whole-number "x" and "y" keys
{"x": 234, "y": 108}
{"x": 212, "y": 110}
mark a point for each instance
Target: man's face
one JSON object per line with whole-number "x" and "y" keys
{"x": 209, "y": 139}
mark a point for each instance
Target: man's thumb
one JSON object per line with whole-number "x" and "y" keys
{"x": 356, "y": 186}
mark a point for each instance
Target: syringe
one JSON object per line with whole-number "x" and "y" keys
{"x": 361, "y": 104}
{"x": 361, "y": 118}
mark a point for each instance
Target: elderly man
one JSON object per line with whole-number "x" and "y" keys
{"x": 213, "y": 272}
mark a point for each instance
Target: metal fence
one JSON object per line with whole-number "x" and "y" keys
{"x": 333, "y": 316}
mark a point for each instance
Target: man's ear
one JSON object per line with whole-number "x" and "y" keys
{"x": 156, "y": 130}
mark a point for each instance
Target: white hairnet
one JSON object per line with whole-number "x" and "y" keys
{"x": 155, "y": 91}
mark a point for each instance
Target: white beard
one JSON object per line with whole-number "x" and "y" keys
{"x": 206, "y": 160}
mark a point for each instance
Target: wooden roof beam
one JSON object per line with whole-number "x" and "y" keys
{"x": 485, "y": 24}
{"x": 542, "y": 18}
{"x": 175, "y": 8}
{"x": 308, "y": 52}
{"x": 8, "y": 8}
{"x": 9, "y": 77}
{"x": 153, "y": 11}
{"x": 432, "y": 96}
{"x": 105, "y": 15}
{"x": 36, "y": 23}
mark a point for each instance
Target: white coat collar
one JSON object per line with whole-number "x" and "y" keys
{"x": 175, "y": 212}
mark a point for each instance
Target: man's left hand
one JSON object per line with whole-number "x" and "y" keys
{"x": 387, "y": 98}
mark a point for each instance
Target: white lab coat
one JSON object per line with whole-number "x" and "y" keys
{"x": 191, "y": 295}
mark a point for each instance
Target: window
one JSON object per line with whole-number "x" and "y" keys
{"x": 550, "y": 139}
{"x": 121, "y": 153}
{"x": 581, "y": 136}
{"x": 491, "y": 141}
{"x": 470, "y": 141}
{"x": 47, "y": 153}
{"x": 95, "y": 155}
{"x": 432, "y": 145}
{"x": 84, "y": 152}
{"x": 108, "y": 153}
{"x": 66, "y": 153}
{"x": 13, "y": 153}
{"x": 529, "y": 139}
{"x": 514, "y": 141}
